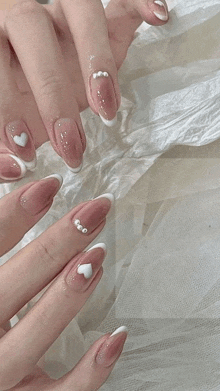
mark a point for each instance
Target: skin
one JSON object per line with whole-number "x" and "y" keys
{"x": 33, "y": 268}
{"x": 46, "y": 75}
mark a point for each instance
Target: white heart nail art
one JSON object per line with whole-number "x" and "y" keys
{"x": 21, "y": 140}
{"x": 85, "y": 269}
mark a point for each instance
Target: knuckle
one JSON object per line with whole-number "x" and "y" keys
{"x": 22, "y": 8}
{"x": 50, "y": 84}
{"x": 44, "y": 251}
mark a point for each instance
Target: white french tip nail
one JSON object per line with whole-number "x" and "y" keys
{"x": 159, "y": 2}
{"x": 109, "y": 196}
{"x": 76, "y": 169}
{"x": 57, "y": 176}
{"x": 107, "y": 122}
{"x": 30, "y": 165}
{"x": 120, "y": 330}
{"x": 21, "y": 165}
{"x": 99, "y": 245}
{"x": 160, "y": 16}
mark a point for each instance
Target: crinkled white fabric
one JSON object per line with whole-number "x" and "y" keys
{"x": 162, "y": 272}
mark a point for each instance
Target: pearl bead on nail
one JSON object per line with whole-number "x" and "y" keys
{"x": 80, "y": 227}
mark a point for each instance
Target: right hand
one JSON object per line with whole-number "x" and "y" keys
{"x": 49, "y": 57}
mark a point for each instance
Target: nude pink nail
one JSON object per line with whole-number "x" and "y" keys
{"x": 92, "y": 214}
{"x": 85, "y": 269}
{"x": 104, "y": 98}
{"x": 69, "y": 143}
{"x": 11, "y": 167}
{"x": 40, "y": 194}
{"x": 112, "y": 348}
{"x": 21, "y": 142}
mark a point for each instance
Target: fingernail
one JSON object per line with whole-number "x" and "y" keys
{"x": 40, "y": 194}
{"x": 161, "y": 12}
{"x": 109, "y": 196}
{"x": 76, "y": 169}
{"x": 98, "y": 245}
{"x": 68, "y": 141}
{"x": 21, "y": 142}
{"x": 11, "y": 167}
{"x": 112, "y": 347}
{"x": 82, "y": 274}
{"x": 103, "y": 96}
{"x": 92, "y": 214}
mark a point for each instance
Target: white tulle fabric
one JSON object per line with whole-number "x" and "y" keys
{"x": 162, "y": 272}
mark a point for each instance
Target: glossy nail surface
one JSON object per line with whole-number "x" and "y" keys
{"x": 160, "y": 12}
{"x": 91, "y": 215}
{"x": 39, "y": 195}
{"x": 85, "y": 269}
{"x": 111, "y": 349}
{"x": 11, "y": 167}
{"x": 104, "y": 98}
{"x": 21, "y": 142}
{"x": 69, "y": 143}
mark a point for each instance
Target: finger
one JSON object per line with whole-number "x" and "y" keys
{"x": 11, "y": 167}
{"x": 87, "y": 23}
{"x": 14, "y": 131}
{"x": 48, "y": 254}
{"x": 21, "y": 209}
{"x": 131, "y": 14}
{"x": 96, "y": 365}
{"x": 47, "y": 319}
{"x": 46, "y": 72}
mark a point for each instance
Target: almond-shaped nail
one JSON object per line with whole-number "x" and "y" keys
{"x": 40, "y": 194}
{"x": 11, "y": 167}
{"x": 92, "y": 214}
{"x": 21, "y": 143}
{"x": 68, "y": 142}
{"x": 112, "y": 347}
{"x": 86, "y": 268}
{"x": 103, "y": 96}
{"x": 160, "y": 12}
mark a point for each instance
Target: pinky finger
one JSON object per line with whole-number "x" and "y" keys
{"x": 96, "y": 365}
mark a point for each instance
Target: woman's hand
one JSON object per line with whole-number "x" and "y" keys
{"x": 55, "y": 61}
{"x": 56, "y": 255}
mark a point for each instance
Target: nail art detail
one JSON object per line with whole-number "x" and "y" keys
{"x": 100, "y": 74}
{"x": 21, "y": 165}
{"x": 163, "y": 15}
{"x": 68, "y": 142}
{"x": 103, "y": 95}
{"x": 21, "y": 143}
{"x": 109, "y": 196}
{"x": 119, "y": 330}
{"x": 76, "y": 169}
{"x": 21, "y": 140}
{"x": 57, "y": 176}
{"x": 98, "y": 245}
{"x": 85, "y": 269}
{"x": 80, "y": 227}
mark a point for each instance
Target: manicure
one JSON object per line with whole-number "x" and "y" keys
{"x": 103, "y": 96}
{"x": 93, "y": 213}
{"x": 69, "y": 143}
{"x": 40, "y": 195}
{"x": 112, "y": 347}
{"x": 11, "y": 167}
{"x": 87, "y": 267}
{"x": 161, "y": 12}
{"x": 21, "y": 142}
